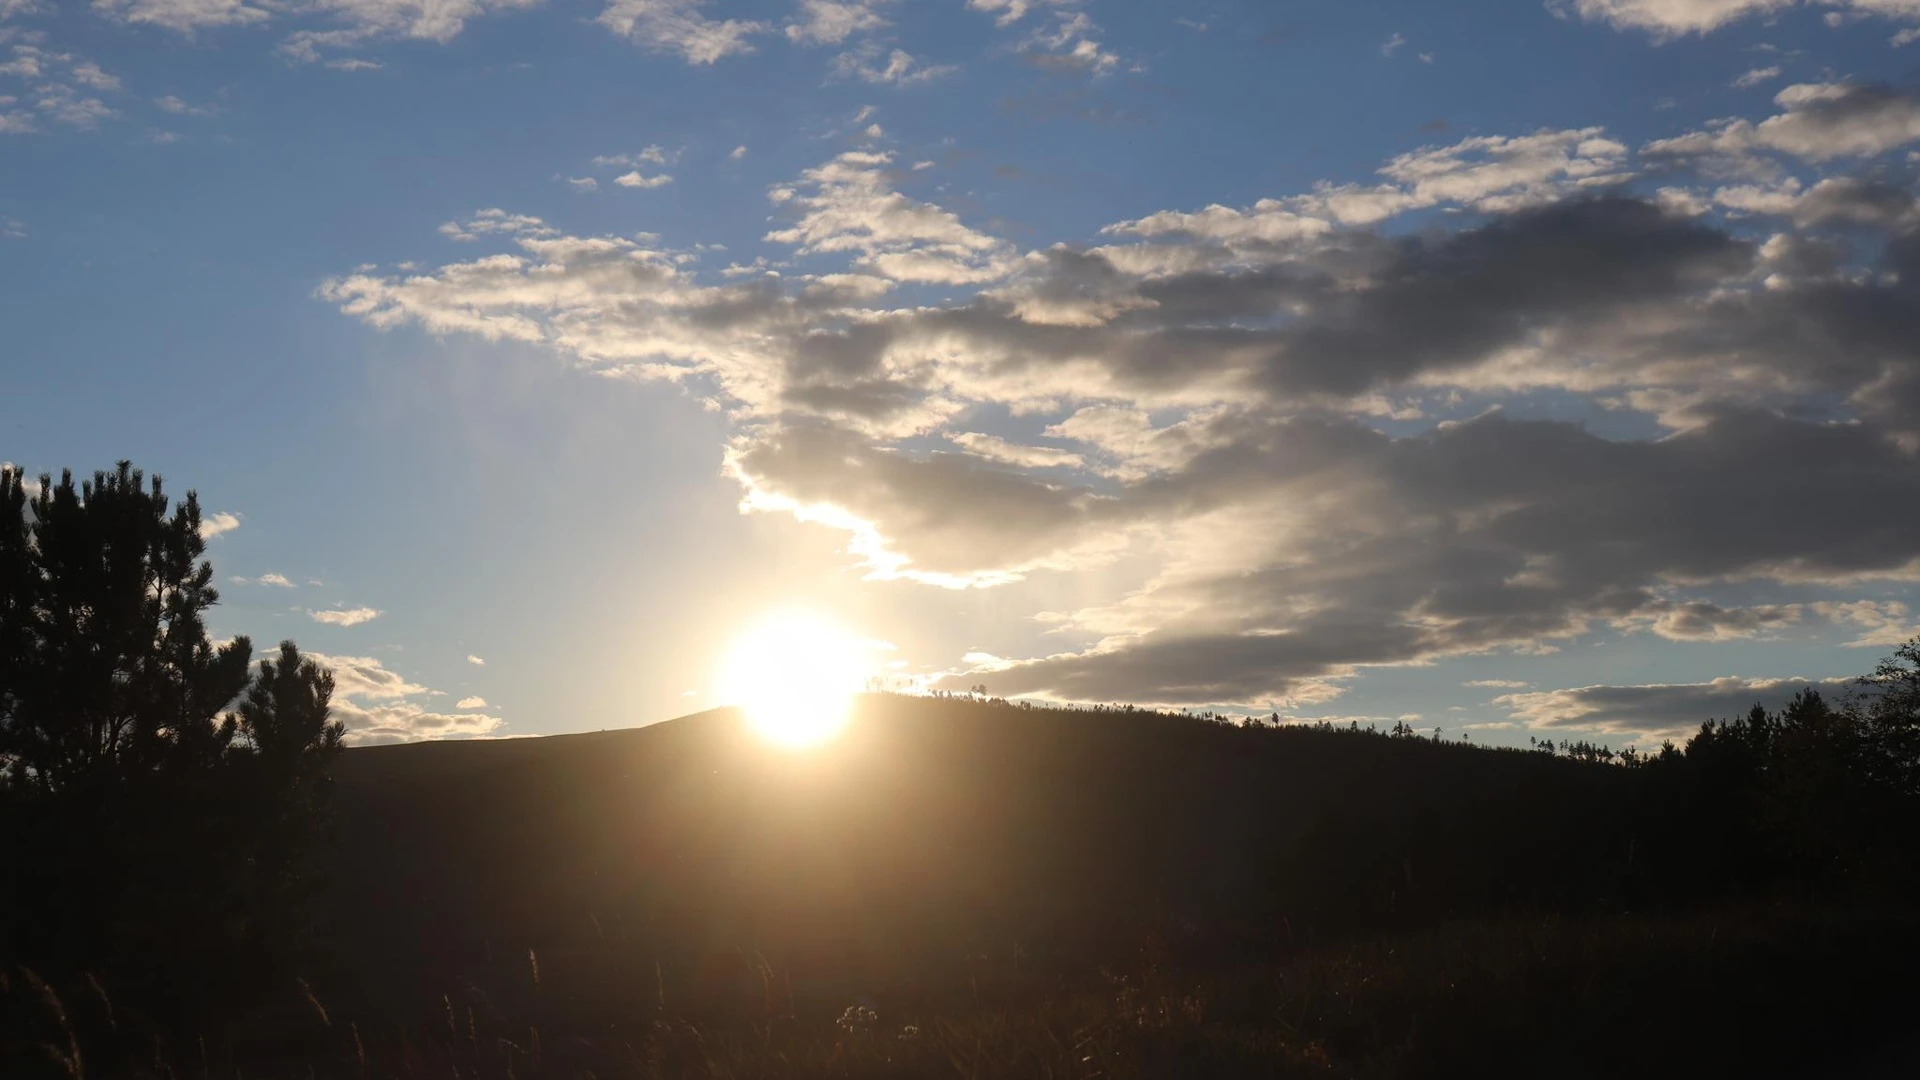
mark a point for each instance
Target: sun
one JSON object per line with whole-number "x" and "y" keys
{"x": 794, "y": 674}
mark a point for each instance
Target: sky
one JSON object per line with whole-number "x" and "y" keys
{"x": 1516, "y": 370}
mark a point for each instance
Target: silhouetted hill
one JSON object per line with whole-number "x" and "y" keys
{"x": 939, "y": 832}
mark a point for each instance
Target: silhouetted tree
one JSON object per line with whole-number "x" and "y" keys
{"x": 151, "y": 832}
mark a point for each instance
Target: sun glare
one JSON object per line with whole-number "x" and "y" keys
{"x": 794, "y": 675}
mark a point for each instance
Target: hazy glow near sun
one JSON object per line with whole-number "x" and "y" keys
{"x": 794, "y": 675}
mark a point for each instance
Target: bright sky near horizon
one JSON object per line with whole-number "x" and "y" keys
{"x": 1515, "y": 369}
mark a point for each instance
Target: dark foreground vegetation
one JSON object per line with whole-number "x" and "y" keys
{"x": 200, "y": 884}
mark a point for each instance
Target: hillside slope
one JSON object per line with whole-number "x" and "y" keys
{"x": 939, "y": 832}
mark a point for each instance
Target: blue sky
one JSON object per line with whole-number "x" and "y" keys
{"x": 1315, "y": 357}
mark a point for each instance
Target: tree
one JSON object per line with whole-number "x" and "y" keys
{"x": 106, "y": 671}
{"x": 150, "y": 828}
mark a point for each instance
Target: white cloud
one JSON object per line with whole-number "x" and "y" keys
{"x": 277, "y": 581}
{"x": 650, "y": 155}
{"x": 495, "y": 221}
{"x": 64, "y": 105}
{"x": 218, "y": 524}
{"x": 179, "y": 106}
{"x": 1669, "y": 19}
{"x": 404, "y": 722}
{"x": 1753, "y": 77}
{"x": 345, "y": 616}
{"x": 1007, "y": 12}
{"x": 636, "y": 180}
{"x": 185, "y": 16}
{"x": 1070, "y": 46}
{"x": 1393, "y": 44}
{"x": 88, "y": 74}
{"x": 471, "y": 703}
{"x": 830, "y": 22}
{"x": 995, "y": 448}
{"x": 351, "y": 23}
{"x": 678, "y": 26}
{"x": 366, "y": 677}
{"x": 850, "y": 205}
{"x": 900, "y": 68}
{"x": 371, "y": 701}
{"x": 476, "y": 661}
{"x": 738, "y": 153}
{"x": 1491, "y": 173}
{"x": 1882, "y": 624}
{"x": 582, "y": 183}
{"x": 1666, "y": 19}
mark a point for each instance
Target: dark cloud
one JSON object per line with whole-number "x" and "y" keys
{"x": 1492, "y": 534}
{"x": 1659, "y": 711}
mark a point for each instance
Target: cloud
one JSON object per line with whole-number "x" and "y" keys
{"x": 1502, "y": 684}
{"x": 88, "y": 74}
{"x": 1672, "y": 711}
{"x": 218, "y": 524}
{"x": 850, "y": 205}
{"x": 1070, "y": 46}
{"x": 995, "y": 448}
{"x": 351, "y": 23}
{"x": 63, "y": 105}
{"x": 471, "y": 703}
{"x": 185, "y": 16}
{"x": 278, "y": 581}
{"x": 1393, "y": 44}
{"x": 1282, "y": 412}
{"x": 900, "y": 68}
{"x": 345, "y": 616}
{"x": 651, "y": 155}
{"x": 1882, "y": 624}
{"x": 1753, "y": 77}
{"x": 582, "y": 183}
{"x": 495, "y": 222}
{"x": 678, "y": 26}
{"x": 1822, "y": 122}
{"x": 737, "y": 153}
{"x": 1007, "y": 12}
{"x": 476, "y": 661}
{"x": 371, "y": 701}
{"x": 366, "y": 677}
{"x": 1700, "y": 620}
{"x": 636, "y": 180}
{"x": 1666, "y": 20}
{"x": 830, "y": 22}
{"x": 179, "y": 106}
{"x": 404, "y": 722}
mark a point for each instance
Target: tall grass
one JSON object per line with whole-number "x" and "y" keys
{"x": 1757, "y": 991}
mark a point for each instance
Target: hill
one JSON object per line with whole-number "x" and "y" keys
{"x": 1182, "y": 897}
{"x": 939, "y": 830}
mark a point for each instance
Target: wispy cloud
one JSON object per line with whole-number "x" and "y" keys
{"x": 680, "y": 26}
{"x": 345, "y": 616}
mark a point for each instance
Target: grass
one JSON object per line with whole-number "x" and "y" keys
{"x": 1755, "y": 992}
